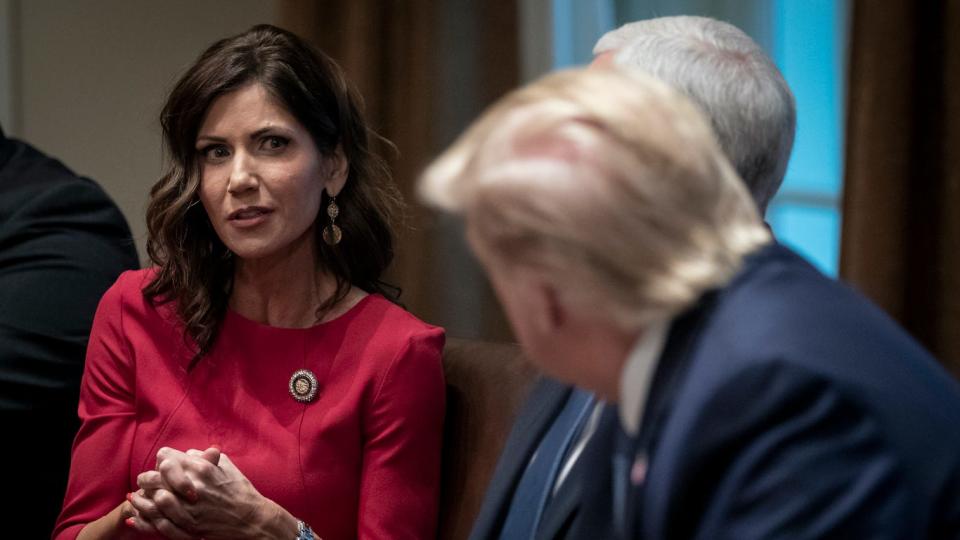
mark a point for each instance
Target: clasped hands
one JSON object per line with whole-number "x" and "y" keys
{"x": 195, "y": 494}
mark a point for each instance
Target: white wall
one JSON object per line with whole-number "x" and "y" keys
{"x": 89, "y": 78}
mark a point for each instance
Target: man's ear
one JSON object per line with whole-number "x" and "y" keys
{"x": 553, "y": 313}
{"x": 338, "y": 169}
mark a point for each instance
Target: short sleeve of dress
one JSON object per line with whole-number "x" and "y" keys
{"x": 400, "y": 480}
{"x": 100, "y": 457}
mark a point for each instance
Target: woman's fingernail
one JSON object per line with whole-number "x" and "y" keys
{"x": 217, "y": 446}
{"x": 192, "y": 496}
{"x": 130, "y": 497}
{"x": 129, "y": 521}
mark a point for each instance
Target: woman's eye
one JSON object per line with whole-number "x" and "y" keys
{"x": 215, "y": 152}
{"x": 274, "y": 143}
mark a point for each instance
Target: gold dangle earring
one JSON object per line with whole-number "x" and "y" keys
{"x": 332, "y": 233}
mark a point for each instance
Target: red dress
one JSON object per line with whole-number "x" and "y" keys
{"x": 360, "y": 461}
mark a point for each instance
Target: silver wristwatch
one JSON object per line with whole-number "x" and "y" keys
{"x": 304, "y": 532}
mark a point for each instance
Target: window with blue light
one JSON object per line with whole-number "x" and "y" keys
{"x": 809, "y": 47}
{"x": 807, "y": 40}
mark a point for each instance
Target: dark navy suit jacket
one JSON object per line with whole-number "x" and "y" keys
{"x": 784, "y": 406}
{"x": 536, "y": 416}
{"x": 63, "y": 242}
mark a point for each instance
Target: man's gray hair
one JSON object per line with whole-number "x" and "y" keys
{"x": 730, "y": 77}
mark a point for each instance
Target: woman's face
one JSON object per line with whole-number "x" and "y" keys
{"x": 261, "y": 175}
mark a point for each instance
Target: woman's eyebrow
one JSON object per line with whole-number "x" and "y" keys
{"x": 264, "y": 130}
{"x": 212, "y": 138}
{"x": 255, "y": 135}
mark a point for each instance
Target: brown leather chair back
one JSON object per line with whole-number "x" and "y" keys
{"x": 486, "y": 383}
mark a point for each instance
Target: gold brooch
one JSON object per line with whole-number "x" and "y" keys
{"x": 303, "y": 385}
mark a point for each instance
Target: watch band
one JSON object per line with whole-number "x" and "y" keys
{"x": 304, "y": 532}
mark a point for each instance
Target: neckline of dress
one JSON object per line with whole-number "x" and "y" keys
{"x": 252, "y": 325}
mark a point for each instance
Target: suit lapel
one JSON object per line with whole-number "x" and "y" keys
{"x": 536, "y": 415}
{"x": 565, "y": 509}
{"x": 592, "y": 491}
{"x": 669, "y": 376}
{"x": 561, "y": 508}
{"x": 671, "y": 371}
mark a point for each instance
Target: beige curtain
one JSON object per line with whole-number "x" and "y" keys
{"x": 425, "y": 69}
{"x": 901, "y": 228}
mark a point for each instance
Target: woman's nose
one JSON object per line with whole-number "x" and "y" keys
{"x": 243, "y": 175}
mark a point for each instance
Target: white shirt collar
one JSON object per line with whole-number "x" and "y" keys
{"x": 637, "y": 373}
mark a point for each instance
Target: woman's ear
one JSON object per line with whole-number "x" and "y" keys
{"x": 338, "y": 169}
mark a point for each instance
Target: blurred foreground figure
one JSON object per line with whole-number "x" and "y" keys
{"x": 733, "y": 81}
{"x": 62, "y": 243}
{"x": 750, "y": 396}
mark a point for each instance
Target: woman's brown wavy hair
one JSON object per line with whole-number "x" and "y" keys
{"x": 194, "y": 268}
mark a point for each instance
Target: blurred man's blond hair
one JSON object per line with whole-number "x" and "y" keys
{"x": 610, "y": 184}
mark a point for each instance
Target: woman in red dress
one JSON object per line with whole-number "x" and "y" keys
{"x": 258, "y": 382}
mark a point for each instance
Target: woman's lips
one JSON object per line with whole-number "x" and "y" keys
{"x": 249, "y": 216}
